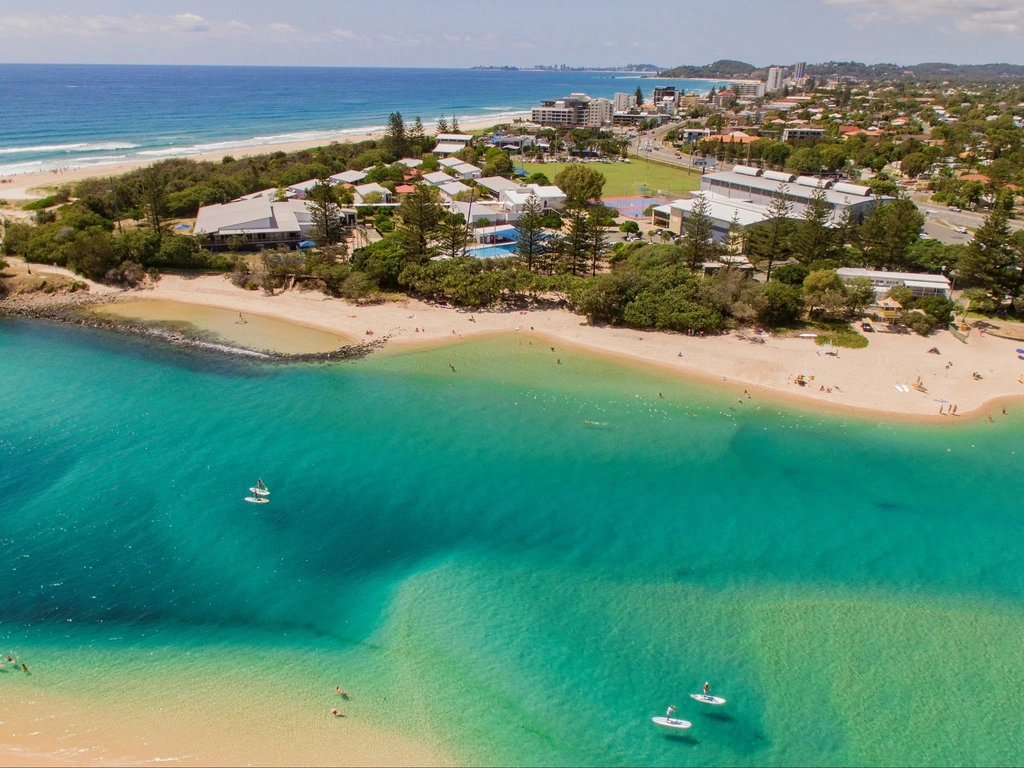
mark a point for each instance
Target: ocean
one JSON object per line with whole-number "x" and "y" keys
{"x": 72, "y": 116}
{"x": 500, "y": 577}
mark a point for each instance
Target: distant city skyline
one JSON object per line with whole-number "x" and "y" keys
{"x": 463, "y": 34}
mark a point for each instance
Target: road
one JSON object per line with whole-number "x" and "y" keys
{"x": 649, "y": 144}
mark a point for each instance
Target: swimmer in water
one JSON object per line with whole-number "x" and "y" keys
{"x": 341, "y": 693}
{"x": 337, "y": 713}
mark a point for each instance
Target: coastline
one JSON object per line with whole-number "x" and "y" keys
{"x": 26, "y": 186}
{"x": 862, "y": 381}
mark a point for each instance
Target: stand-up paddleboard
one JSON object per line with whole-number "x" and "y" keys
{"x": 257, "y": 500}
{"x": 705, "y": 698}
{"x": 665, "y": 722}
{"x": 259, "y": 491}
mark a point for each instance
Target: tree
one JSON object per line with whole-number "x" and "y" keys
{"x": 420, "y": 212}
{"x": 451, "y": 235}
{"x": 325, "y": 213}
{"x": 639, "y": 97}
{"x": 499, "y": 165}
{"x": 993, "y": 260}
{"x": 455, "y": 124}
{"x": 531, "y": 240}
{"x": 734, "y": 238}
{"x": 914, "y": 164}
{"x": 154, "y": 199}
{"x": 598, "y": 245}
{"x": 771, "y": 241}
{"x": 575, "y": 245}
{"x": 442, "y": 125}
{"x": 813, "y": 241}
{"x": 580, "y": 184}
{"x": 629, "y": 227}
{"x": 396, "y": 139}
{"x": 698, "y": 244}
{"x": 888, "y": 230}
{"x": 416, "y": 133}
{"x": 778, "y": 304}
{"x": 825, "y": 293}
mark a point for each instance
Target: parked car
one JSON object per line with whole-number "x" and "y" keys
{"x": 867, "y": 328}
{"x": 954, "y": 209}
{"x": 961, "y": 230}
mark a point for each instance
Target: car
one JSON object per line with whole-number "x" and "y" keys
{"x": 867, "y": 328}
{"x": 954, "y": 209}
{"x": 926, "y": 236}
{"x": 961, "y": 230}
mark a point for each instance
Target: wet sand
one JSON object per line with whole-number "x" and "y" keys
{"x": 244, "y": 329}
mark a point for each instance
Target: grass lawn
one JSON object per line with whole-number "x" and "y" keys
{"x": 624, "y": 179}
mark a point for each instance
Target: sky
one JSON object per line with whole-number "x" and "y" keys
{"x": 464, "y": 33}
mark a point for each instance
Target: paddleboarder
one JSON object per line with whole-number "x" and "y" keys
{"x": 671, "y": 711}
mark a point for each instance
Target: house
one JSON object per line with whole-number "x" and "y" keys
{"x": 348, "y": 177}
{"x": 477, "y": 212}
{"x": 411, "y": 162}
{"x": 437, "y": 178}
{"x": 496, "y": 184}
{"x": 453, "y": 188}
{"x": 369, "y": 189}
{"x": 514, "y": 200}
{"x": 802, "y": 133}
{"x": 299, "y": 191}
{"x": 257, "y": 223}
{"x": 466, "y": 171}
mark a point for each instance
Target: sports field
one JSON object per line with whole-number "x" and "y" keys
{"x": 629, "y": 179}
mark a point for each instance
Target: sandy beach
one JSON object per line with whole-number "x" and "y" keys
{"x": 870, "y": 379}
{"x": 33, "y": 185}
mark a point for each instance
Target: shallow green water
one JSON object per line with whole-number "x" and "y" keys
{"x": 505, "y": 578}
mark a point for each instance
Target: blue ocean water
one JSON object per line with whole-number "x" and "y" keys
{"x": 57, "y": 116}
{"x": 852, "y": 585}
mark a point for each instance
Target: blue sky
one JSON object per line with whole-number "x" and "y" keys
{"x": 460, "y": 33}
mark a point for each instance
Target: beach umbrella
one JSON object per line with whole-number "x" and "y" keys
{"x": 306, "y": 244}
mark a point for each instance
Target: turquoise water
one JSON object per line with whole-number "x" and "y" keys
{"x": 529, "y": 588}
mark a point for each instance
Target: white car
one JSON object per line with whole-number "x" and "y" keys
{"x": 954, "y": 209}
{"x": 961, "y": 230}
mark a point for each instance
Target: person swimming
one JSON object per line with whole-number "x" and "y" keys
{"x": 341, "y": 693}
{"x": 337, "y": 713}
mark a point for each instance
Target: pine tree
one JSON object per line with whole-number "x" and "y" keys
{"x": 575, "y": 244}
{"x": 598, "y": 244}
{"x": 698, "y": 244}
{"x": 442, "y": 125}
{"x": 771, "y": 241}
{"x": 396, "y": 139}
{"x": 734, "y": 239}
{"x": 455, "y": 124}
{"x": 531, "y": 240}
{"x": 154, "y": 200}
{"x": 639, "y": 97}
{"x": 419, "y": 213}
{"x": 814, "y": 239}
{"x": 324, "y": 213}
{"x": 452, "y": 236}
{"x": 989, "y": 254}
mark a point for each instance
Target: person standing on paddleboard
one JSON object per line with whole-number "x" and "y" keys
{"x": 707, "y": 689}
{"x": 671, "y": 711}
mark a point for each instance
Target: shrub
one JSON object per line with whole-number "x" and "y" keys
{"x": 919, "y": 323}
{"x": 629, "y": 227}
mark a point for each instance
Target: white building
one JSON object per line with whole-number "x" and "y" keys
{"x": 919, "y": 283}
{"x": 453, "y": 188}
{"x": 722, "y": 211}
{"x": 450, "y": 143}
{"x": 348, "y": 177}
{"x": 372, "y": 189}
{"x": 801, "y": 133}
{"x": 258, "y": 223}
{"x": 496, "y": 184}
{"x": 776, "y": 79}
{"x": 623, "y": 102}
{"x": 516, "y": 199}
{"x": 438, "y": 178}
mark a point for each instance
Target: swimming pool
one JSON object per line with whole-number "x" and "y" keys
{"x": 499, "y": 251}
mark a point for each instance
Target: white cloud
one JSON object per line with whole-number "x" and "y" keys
{"x": 974, "y": 17}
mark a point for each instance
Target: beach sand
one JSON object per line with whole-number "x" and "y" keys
{"x": 863, "y": 379}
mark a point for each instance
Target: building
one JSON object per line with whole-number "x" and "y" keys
{"x": 623, "y": 102}
{"x": 800, "y": 70}
{"x": 802, "y": 133}
{"x": 919, "y": 283}
{"x": 257, "y": 223}
{"x": 438, "y": 178}
{"x": 748, "y": 89}
{"x": 761, "y": 187}
{"x": 722, "y": 211}
{"x": 373, "y": 188}
{"x": 776, "y": 79}
{"x": 348, "y": 177}
{"x": 450, "y": 143}
{"x": 574, "y": 111}
{"x": 666, "y": 99}
{"x": 514, "y": 200}
{"x": 496, "y": 184}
